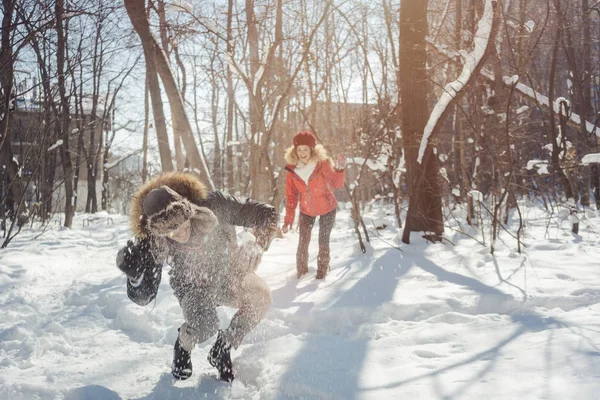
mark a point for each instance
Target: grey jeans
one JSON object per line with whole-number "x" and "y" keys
{"x": 248, "y": 293}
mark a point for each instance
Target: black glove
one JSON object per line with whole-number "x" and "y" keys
{"x": 132, "y": 258}
{"x": 265, "y": 235}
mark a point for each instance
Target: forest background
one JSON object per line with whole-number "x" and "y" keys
{"x": 474, "y": 104}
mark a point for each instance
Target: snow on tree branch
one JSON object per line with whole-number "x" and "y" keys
{"x": 180, "y": 6}
{"x": 545, "y": 101}
{"x": 593, "y": 158}
{"x": 473, "y": 62}
{"x": 55, "y": 145}
{"x": 528, "y": 92}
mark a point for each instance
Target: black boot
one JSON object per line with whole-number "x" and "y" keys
{"x": 182, "y": 362}
{"x": 220, "y": 358}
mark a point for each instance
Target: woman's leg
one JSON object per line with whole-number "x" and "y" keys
{"x": 325, "y": 226}
{"x": 305, "y": 225}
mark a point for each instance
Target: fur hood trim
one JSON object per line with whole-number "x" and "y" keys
{"x": 318, "y": 154}
{"x": 186, "y": 184}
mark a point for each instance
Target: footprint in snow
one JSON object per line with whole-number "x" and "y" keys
{"x": 427, "y": 354}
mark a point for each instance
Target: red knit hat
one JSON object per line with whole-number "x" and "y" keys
{"x": 304, "y": 139}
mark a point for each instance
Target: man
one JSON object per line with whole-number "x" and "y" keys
{"x": 175, "y": 220}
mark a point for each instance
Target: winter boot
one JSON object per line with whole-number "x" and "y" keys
{"x": 322, "y": 273}
{"x": 301, "y": 271}
{"x": 182, "y": 362}
{"x": 220, "y": 358}
{"x": 322, "y": 264}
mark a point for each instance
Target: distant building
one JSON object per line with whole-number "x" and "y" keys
{"x": 32, "y": 134}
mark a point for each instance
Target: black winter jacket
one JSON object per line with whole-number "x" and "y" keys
{"x": 203, "y": 262}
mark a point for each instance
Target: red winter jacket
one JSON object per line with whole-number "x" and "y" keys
{"x": 316, "y": 198}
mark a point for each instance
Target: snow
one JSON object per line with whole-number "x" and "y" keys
{"x": 232, "y": 65}
{"x": 471, "y": 61}
{"x": 476, "y": 195}
{"x": 591, "y": 159}
{"x": 425, "y": 321}
{"x": 522, "y": 109}
{"x": 180, "y": 6}
{"x": 208, "y": 24}
{"x": 529, "y": 92}
{"x": 259, "y": 73}
{"x": 510, "y": 80}
{"x": 543, "y": 100}
{"x": 530, "y": 26}
{"x": 534, "y": 163}
{"x": 55, "y": 145}
{"x": 540, "y": 165}
{"x": 558, "y": 104}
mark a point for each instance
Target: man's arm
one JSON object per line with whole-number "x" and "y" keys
{"x": 249, "y": 213}
{"x": 142, "y": 270}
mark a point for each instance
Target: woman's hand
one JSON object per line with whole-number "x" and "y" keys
{"x": 340, "y": 162}
{"x": 286, "y": 227}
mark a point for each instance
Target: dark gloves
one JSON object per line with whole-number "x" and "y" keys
{"x": 265, "y": 234}
{"x": 133, "y": 258}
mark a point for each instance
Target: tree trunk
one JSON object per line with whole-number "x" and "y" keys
{"x": 230, "y": 101}
{"x": 260, "y": 185}
{"x": 217, "y": 170}
{"x": 581, "y": 103}
{"x": 64, "y": 120}
{"x": 424, "y": 213}
{"x": 556, "y": 146}
{"x": 14, "y": 187}
{"x": 137, "y": 14}
{"x": 261, "y": 173}
{"x": 145, "y": 134}
{"x": 181, "y": 123}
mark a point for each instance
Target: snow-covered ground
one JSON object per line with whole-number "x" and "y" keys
{"x": 419, "y": 321}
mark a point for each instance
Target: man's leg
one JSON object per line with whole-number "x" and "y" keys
{"x": 201, "y": 322}
{"x": 252, "y": 298}
{"x": 325, "y": 226}
{"x": 305, "y": 225}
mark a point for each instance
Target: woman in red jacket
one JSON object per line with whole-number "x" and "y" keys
{"x": 310, "y": 177}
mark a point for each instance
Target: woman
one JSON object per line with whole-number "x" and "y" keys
{"x": 310, "y": 177}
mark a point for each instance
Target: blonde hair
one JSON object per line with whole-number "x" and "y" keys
{"x": 317, "y": 153}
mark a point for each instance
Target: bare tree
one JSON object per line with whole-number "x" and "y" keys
{"x": 137, "y": 13}
{"x": 65, "y": 120}
{"x": 424, "y": 213}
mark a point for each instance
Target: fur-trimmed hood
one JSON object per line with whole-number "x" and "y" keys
{"x": 318, "y": 154}
{"x": 185, "y": 184}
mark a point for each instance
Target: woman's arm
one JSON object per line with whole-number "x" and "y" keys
{"x": 334, "y": 177}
